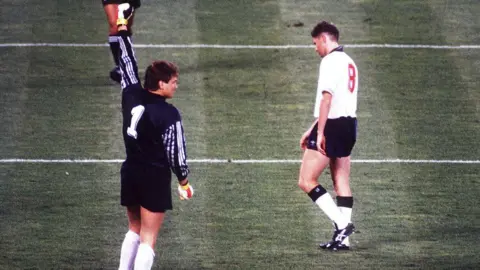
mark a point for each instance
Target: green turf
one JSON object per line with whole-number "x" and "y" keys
{"x": 58, "y": 103}
{"x": 254, "y": 218}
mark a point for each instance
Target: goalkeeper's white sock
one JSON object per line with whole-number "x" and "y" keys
{"x": 144, "y": 259}
{"x": 129, "y": 250}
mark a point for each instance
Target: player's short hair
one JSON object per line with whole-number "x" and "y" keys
{"x": 159, "y": 71}
{"x": 326, "y": 27}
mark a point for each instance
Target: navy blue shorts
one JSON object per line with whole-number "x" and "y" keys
{"x": 134, "y": 3}
{"x": 340, "y": 137}
{"x": 147, "y": 186}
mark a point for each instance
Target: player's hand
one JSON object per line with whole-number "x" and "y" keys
{"x": 303, "y": 140}
{"x": 185, "y": 191}
{"x": 125, "y": 11}
{"x": 321, "y": 144}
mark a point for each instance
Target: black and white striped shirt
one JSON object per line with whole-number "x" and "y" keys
{"x": 152, "y": 128}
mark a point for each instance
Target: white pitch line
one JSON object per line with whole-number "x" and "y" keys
{"x": 221, "y": 46}
{"x": 244, "y": 161}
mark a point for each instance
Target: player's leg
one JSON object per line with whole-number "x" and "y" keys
{"x": 340, "y": 172}
{"x": 151, "y": 222}
{"x": 342, "y": 134}
{"x": 111, "y": 11}
{"x": 132, "y": 238}
{"x": 155, "y": 200}
{"x": 129, "y": 199}
{"x": 135, "y": 4}
{"x": 313, "y": 163}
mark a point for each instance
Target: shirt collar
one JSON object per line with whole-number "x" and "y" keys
{"x": 155, "y": 96}
{"x": 337, "y": 49}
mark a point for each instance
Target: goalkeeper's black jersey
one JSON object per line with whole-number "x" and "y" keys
{"x": 152, "y": 128}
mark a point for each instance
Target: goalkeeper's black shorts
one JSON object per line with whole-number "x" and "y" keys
{"x": 340, "y": 137}
{"x": 134, "y": 3}
{"x": 147, "y": 186}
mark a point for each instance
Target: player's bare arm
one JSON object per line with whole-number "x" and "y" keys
{"x": 322, "y": 119}
{"x": 303, "y": 140}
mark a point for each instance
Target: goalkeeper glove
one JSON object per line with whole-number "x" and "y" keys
{"x": 185, "y": 191}
{"x": 125, "y": 11}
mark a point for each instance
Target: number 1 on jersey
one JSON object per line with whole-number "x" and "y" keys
{"x": 137, "y": 113}
{"x": 352, "y": 75}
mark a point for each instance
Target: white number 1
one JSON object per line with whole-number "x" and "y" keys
{"x": 137, "y": 113}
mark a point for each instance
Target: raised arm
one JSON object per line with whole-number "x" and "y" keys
{"x": 127, "y": 61}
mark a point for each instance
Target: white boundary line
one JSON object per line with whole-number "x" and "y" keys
{"x": 220, "y": 46}
{"x": 244, "y": 161}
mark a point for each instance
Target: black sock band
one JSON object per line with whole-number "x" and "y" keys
{"x": 114, "y": 48}
{"x": 316, "y": 192}
{"x": 345, "y": 201}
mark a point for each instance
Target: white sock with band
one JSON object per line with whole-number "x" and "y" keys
{"x": 144, "y": 259}
{"x": 321, "y": 198}
{"x": 129, "y": 250}
{"x": 328, "y": 206}
{"x": 347, "y": 212}
{"x": 345, "y": 204}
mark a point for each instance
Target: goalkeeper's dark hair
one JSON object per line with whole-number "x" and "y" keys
{"x": 159, "y": 71}
{"x": 326, "y": 27}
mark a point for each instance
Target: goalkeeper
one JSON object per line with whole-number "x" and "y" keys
{"x": 154, "y": 143}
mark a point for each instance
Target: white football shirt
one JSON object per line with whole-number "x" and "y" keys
{"x": 338, "y": 75}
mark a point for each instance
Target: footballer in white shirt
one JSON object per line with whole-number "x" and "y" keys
{"x": 330, "y": 139}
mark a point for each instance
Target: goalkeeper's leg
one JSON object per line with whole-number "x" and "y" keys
{"x": 151, "y": 222}
{"x": 132, "y": 239}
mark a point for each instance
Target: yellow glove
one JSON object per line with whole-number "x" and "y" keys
{"x": 185, "y": 192}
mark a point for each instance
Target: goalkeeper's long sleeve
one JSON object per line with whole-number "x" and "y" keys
{"x": 127, "y": 61}
{"x": 174, "y": 144}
